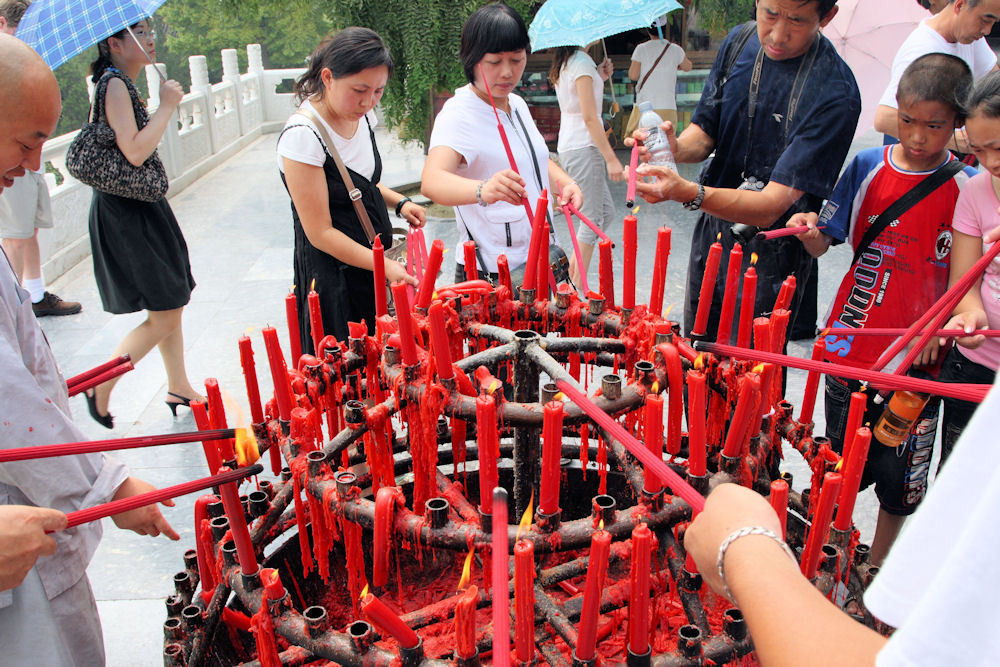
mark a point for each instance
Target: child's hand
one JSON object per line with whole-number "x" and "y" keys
{"x": 815, "y": 241}
{"x": 930, "y": 353}
{"x": 969, "y": 321}
{"x": 145, "y": 520}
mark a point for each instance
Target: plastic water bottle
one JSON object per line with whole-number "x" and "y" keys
{"x": 656, "y": 141}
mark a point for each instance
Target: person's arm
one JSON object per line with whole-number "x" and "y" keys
{"x": 790, "y": 621}
{"x": 585, "y": 93}
{"x": 634, "y": 70}
{"x": 686, "y": 65}
{"x": 441, "y": 183}
{"x": 969, "y": 314}
{"x": 887, "y": 120}
{"x": 569, "y": 191}
{"x": 135, "y": 144}
{"x": 415, "y": 214}
{"x": 23, "y": 540}
{"x": 307, "y": 187}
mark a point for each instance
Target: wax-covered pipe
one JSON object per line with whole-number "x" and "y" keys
{"x": 250, "y": 378}
{"x": 660, "y": 261}
{"x": 537, "y": 229}
{"x": 469, "y": 255}
{"x": 812, "y": 385}
{"x": 279, "y": 373}
{"x": 607, "y": 275}
{"x": 439, "y": 341}
{"x": 406, "y": 339}
{"x": 630, "y": 246}
{"x": 729, "y": 296}
{"x": 785, "y": 294}
{"x": 853, "y": 468}
{"x": 707, "y": 289}
{"x": 524, "y": 600}
{"x": 652, "y": 429}
{"x": 697, "y": 453}
{"x": 465, "y": 623}
{"x": 747, "y": 393}
{"x": 315, "y": 321}
{"x": 388, "y": 622}
{"x": 551, "y": 456}
{"x": 217, "y": 416}
{"x": 638, "y": 608}
{"x": 813, "y": 550}
{"x": 747, "y": 305}
{"x": 586, "y": 644}
{"x": 238, "y": 527}
{"x": 292, "y": 318}
{"x": 779, "y": 502}
{"x": 499, "y": 564}
{"x": 486, "y": 439}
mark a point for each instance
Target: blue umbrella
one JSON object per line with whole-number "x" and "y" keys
{"x": 580, "y": 22}
{"x": 60, "y": 29}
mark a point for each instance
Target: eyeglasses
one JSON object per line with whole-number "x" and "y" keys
{"x": 148, "y": 33}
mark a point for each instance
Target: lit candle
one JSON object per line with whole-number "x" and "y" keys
{"x": 430, "y": 274}
{"x": 767, "y": 378}
{"x": 729, "y": 297}
{"x": 292, "y": 317}
{"x": 785, "y": 294}
{"x": 378, "y": 269}
{"x": 659, "y": 270}
{"x": 652, "y": 429}
{"x": 779, "y": 502}
{"x": 749, "y": 389}
{"x": 812, "y": 384}
{"x": 501, "y": 578}
{"x": 469, "y": 254}
{"x": 388, "y": 622}
{"x": 600, "y": 544}
{"x": 272, "y": 583}
{"x": 524, "y": 600}
{"x": 638, "y": 608}
{"x": 250, "y": 377}
{"x": 486, "y": 439}
{"x": 406, "y": 340}
{"x": 551, "y": 455}
{"x": 607, "y": 276}
{"x": 633, "y": 164}
{"x": 238, "y": 527}
{"x": 749, "y": 299}
{"x": 630, "y": 247}
{"x": 707, "y": 292}
{"x": 820, "y": 524}
{"x": 279, "y": 373}
{"x": 217, "y": 416}
{"x": 315, "y": 320}
{"x": 537, "y": 229}
{"x": 854, "y": 467}
{"x": 465, "y": 622}
{"x": 697, "y": 454}
{"x": 439, "y": 341}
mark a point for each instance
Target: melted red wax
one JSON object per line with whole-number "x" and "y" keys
{"x": 298, "y": 466}
{"x": 386, "y": 501}
{"x": 377, "y": 447}
{"x": 320, "y": 518}
{"x": 355, "y": 557}
{"x": 584, "y": 448}
{"x": 602, "y": 464}
{"x": 422, "y": 424}
{"x": 262, "y": 627}
{"x": 458, "y": 447}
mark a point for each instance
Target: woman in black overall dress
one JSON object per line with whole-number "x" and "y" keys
{"x": 345, "y": 80}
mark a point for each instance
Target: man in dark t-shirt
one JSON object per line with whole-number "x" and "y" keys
{"x": 783, "y": 159}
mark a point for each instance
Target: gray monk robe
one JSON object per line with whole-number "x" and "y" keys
{"x": 51, "y": 618}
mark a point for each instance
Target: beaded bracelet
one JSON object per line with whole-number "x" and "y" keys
{"x": 479, "y": 194}
{"x": 743, "y": 532}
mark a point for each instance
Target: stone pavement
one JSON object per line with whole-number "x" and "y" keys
{"x": 237, "y": 223}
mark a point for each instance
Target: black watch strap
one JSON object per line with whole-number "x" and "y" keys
{"x": 399, "y": 206}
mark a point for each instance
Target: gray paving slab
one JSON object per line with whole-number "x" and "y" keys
{"x": 237, "y": 223}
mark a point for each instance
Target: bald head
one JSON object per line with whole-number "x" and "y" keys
{"x": 29, "y": 108}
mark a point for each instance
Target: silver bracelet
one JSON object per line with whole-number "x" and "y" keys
{"x": 743, "y": 532}
{"x": 479, "y": 194}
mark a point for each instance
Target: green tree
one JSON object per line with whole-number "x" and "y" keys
{"x": 718, "y": 16}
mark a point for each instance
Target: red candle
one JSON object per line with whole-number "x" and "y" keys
{"x": 749, "y": 389}
{"x": 315, "y": 321}
{"x": 388, "y": 622}
{"x": 747, "y": 306}
{"x": 653, "y": 432}
{"x": 853, "y": 468}
{"x": 767, "y": 378}
{"x": 524, "y": 600}
{"x": 430, "y": 274}
{"x": 600, "y": 544}
{"x": 465, "y": 622}
{"x": 272, "y": 583}
{"x": 210, "y": 447}
{"x": 217, "y": 416}
{"x": 542, "y": 291}
{"x": 697, "y": 454}
{"x": 675, "y": 384}
{"x": 378, "y": 269}
{"x": 762, "y": 334}
{"x": 439, "y": 341}
{"x": 469, "y": 254}
{"x": 537, "y": 229}
{"x": 855, "y": 413}
{"x": 729, "y": 298}
{"x": 606, "y": 270}
{"x": 630, "y": 245}
{"x": 633, "y": 164}
{"x": 707, "y": 289}
{"x": 250, "y": 377}
{"x": 638, "y": 607}
{"x": 486, "y": 439}
{"x": 406, "y": 340}
{"x": 785, "y": 294}
{"x": 292, "y": 317}
{"x": 779, "y": 502}
{"x": 551, "y": 455}
{"x": 501, "y": 578}
{"x": 820, "y": 524}
{"x": 279, "y": 373}
{"x": 659, "y": 270}
{"x": 779, "y": 327}
{"x": 238, "y": 528}
{"x": 812, "y": 385}
{"x": 503, "y": 273}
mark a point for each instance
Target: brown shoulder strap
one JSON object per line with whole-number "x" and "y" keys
{"x": 354, "y": 193}
{"x": 655, "y": 63}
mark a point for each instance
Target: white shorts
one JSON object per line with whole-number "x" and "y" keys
{"x": 25, "y": 207}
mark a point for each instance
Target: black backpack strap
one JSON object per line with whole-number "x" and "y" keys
{"x": 941, "y": 175}
{"x": 735, "y": 49}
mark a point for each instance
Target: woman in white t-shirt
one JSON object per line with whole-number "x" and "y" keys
{"x": 654, "y": 70}
{"x": 467, "y": 166}
{"x": 584, "y": 150}
{"x": 338, "y": 93}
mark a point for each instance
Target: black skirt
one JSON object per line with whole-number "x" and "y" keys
{"x": 140, "y": 257}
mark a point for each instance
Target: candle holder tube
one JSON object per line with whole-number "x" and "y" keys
{"x": 699, "y": 483}
{"x": 317, "y": 620}
{"x": 472, "y": 661}
{"x": 549, "y": 391}
{"x": 345, "y": 480}
{"x": 219, "y": 527}
{"x": 354, "y": 414}
{"x": 184, "y": 585}
{"x": 595, "y": 304}
{"x": 603, "y": 508}
{"x": 611, "y": 386}
{"x": 734, "y": 625}
{"x": 485, "y": 520}
{"x": 730, "y": 465}
{"x": 526, "y": 295}
{"x": 862, "y": 555}
{"x": 175, "y": 605}
{"x": 663, "y": 334}
{"x": 548, "y": 523}
{"x": 260, "y": 503}
{"x": 577, "y": 662}
{"x": 626, "y": 315}
{"x": 690, "y": 581}
{"x": 645, "y": 372}
{"x": 191, "y": 561}
{"x": 638, "y": 659}
{"x": 229, "y": 554}
{"x": 436, "y": 511}
{"x": 563, "y": 296}
{"x": 689, "y": 641}
{"x": 413, "y": 655}
{"x": 172, "y": 630}
{"x": 191, "y": 618}
{"x": 653, "y": 501}
{"x": 840, "y": 538}
{"x": 173, "y": 655}
{"x": 361, "y": 635}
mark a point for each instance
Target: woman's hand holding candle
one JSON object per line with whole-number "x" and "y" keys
{"x": 969, "y": 322}
{"x": 506, "y": 185}
{"x": 145, "y": 520}
{"x": 396, "y": 272}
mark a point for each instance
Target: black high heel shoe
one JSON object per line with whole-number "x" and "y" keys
{"x": 106, "y": 420}
{"x": 173, "y": 405}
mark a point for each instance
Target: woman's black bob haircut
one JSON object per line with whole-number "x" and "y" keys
{"x": 348, "y": 52}
{"x": 493, "y": 28}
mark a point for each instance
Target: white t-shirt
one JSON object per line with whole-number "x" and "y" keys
{"x": 299, "y": 143}
{"x": 939, "y": 582}
{"x": 466, "y": 124}
{"x": 572, "y": 130}
{"x": 925, "y": 39}
{"x": 661, "y": 86}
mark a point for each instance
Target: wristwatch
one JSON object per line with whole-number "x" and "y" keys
{"x": 695, "y": 203}
{"x": 399, "y": 206}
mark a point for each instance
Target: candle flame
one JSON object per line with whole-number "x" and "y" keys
{"x": 525, "y": 518}
{"x": 247, "y": 451}
{"x": 699, "y": 361}
{"x": 560, "y": 397}
{"x": 269, "y": 575}
{"x": 600, "y": 525}
{"x": 635, "y": 210}
{"x": 825, "y": 332}
{"x": 666, "y": 313}
{"x": 248, "y": 331}
{"x": 759, "y": 368}
{"x": 312, "y": 286}
{"x": 718, "y": 237}
{"x": 466, "y": 577}
{"x": 656, "y": 387}
{"x": 753, "y": 258}
{"x": 364, "y": 592}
